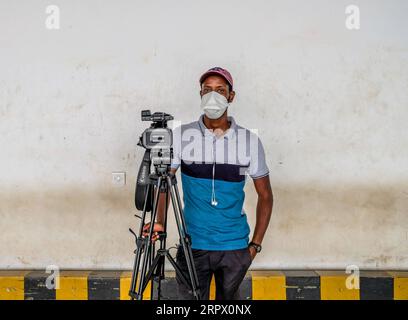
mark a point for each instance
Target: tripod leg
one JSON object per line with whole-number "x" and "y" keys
{"x": 187, "y": 237}
{"x": 178, "y": 213}
{"x": 178, "y": 270}
{"x": 151, "y": 261}
{"x": 140, "y": 247}
{"x": 156, "y": 263}
{"x": 149, "y": 242}
{"x": 161, "y": 265}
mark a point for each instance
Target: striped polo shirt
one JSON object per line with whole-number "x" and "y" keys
{"x": 213, "y": 174}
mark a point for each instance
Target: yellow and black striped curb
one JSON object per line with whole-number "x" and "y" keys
{"x": 257, "y": 285}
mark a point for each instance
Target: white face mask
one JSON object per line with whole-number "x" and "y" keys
{"x": 214, "y": 104}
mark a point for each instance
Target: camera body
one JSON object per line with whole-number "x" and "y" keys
{"x": 158, "y": 139}
{"x": 158, "y": 142}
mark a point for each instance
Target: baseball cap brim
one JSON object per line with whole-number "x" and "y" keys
{"x": 212, "y": 73}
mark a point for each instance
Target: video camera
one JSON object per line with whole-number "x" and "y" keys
{"x": 158, "y": 138}
{"x": 158, "y": 142}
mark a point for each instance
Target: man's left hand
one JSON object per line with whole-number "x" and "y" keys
{"x": 253, "y": 252}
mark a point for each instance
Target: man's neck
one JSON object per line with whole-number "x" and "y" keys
{"x": 219, "y": 126}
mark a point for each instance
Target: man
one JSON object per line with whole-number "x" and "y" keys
{"x": 215, "y": 154}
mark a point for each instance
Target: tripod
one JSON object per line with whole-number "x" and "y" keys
{"x": 150, "y": 261}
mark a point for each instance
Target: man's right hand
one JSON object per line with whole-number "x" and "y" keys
{"x": 158, "y": 227}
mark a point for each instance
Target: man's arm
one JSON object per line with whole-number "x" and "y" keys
{"x": 263, "y": 210}
{"x": 159, "y": 224}
{"x": 162, "y": 203}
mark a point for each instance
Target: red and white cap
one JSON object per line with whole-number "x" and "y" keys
{"x": 217, "y": 71}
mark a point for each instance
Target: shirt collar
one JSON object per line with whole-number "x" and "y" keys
{"x": 228, "y": 134}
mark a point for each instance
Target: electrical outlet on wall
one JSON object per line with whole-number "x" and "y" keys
{"x": 118, "y": 179}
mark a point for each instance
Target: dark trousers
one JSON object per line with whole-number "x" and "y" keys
{"x": 228, "y": 267}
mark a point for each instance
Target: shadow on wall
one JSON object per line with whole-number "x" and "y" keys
{"x": 322, "y": 224}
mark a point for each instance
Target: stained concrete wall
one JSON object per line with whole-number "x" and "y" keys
{"x": 330, "y": 105}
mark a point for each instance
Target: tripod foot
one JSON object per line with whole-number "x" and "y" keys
{"x": 135, "y": 296}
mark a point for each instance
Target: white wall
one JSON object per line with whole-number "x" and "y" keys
{"x": 330, "y": 105}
